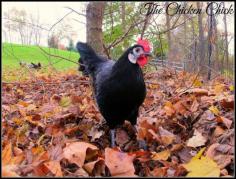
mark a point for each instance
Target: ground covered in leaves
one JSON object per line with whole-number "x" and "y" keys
{"x": 51, "y": 127}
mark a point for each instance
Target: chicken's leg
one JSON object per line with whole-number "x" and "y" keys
{"x": 112, "y": 134}
{"x": 141, "y": 143}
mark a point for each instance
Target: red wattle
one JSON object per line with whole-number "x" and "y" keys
{"x": 142, "y": 61}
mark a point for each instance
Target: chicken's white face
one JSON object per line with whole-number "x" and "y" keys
{"x": 138, "y": 55}
{"x": 135, "y": 54}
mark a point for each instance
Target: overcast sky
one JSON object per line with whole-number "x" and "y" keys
{"x": 51, "y": 12}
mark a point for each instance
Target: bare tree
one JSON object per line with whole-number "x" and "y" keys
{"x": 168, "y": 27}
{"x": 37, "y": 31}
{"x": 210, "y": 41}
{"x": 146, "y": 22}
{"x": 194, "y": 46}
{"x": 123, "y": 16}
{"x": 16, "y": 22}
{"x": 185, "y": 30}
{"x": 201, "y": 37}
{"x": 94, "y": 17}
{"x": 226, "y": 52}
{"x": 215, "y": 36}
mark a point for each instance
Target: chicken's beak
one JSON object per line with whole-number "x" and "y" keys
{"x": 148, "y": 54}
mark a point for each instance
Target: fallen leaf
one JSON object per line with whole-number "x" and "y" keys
{"x": 208, "y": 115}
{"x": 56, "y": 152}
{"x": 223, "y": 160}
{"x": 7, "y": 108}
{"x": 96, "y": 168}
{"x": 23, "y": 103}
{"x": 218, "y": 131}
{"x": 56, "y": 97}
{"x": 185, "y": 154}
{"x": 17, "y": 159}
{"x": 176, "y": 147}
{"x": 65, "y": 101}
{"x": 225, "y": 148}
{"x": 31, "y": 107}
{"x": 211, "y": 150}
{"x": 224, "y": 172}
{"x": 145, "y": 125}
{"x": 37, "y": 150}
{"x": 179, "y": 108}
{"x": 199, "y": 154}
{"x": 119, "y": 163}
{"x": 54, "y": 167}
{"x": 76, "y": 152}
{"x": 7, "y": 154}
{"x": 95, "y": 133}
{"x": 121, "y": 137}
{"x": 159, "y": 172}
{"x": 215, "y": 110}
{"x": 231, "y": 87}
{"x": 9, "y": 171}
{"x": 228, "y": 103}
{"x": 169, "y": 108}
{"x": 170, "y": 172}
{"x": 197, "y": 83}
{"x": 81, "y": 172}
{"x": 166, "y": 136}
{"x": 17, "y": 151}
{"x": 40, "y": 170}
{"x": 225, "y": 121}
{"x": 207, "y": 100}
{"x": 163, "y": 155}
{"x": 194, "y": 106}
{"x": 196, "y": 91}
{"x": 215, "y": 152}
{"x": 36, "y": 117}
{"x": 200, "y": 166}
{"x": 197, "y": 140}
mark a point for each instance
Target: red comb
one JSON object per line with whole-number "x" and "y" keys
{"x": 145, "y": 43}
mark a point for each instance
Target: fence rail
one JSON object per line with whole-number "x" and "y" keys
{"x": 187, "y": 65}
{"x": 178, "y": 66}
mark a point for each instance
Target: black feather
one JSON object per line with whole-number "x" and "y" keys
{"x": 119, "y": 86}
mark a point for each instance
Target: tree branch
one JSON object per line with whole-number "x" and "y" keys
{"x": 147, "y": 18}
{"x": 117, "y": 41}
{"x": 57, "y": 56}
{"x": 75, "y": 11}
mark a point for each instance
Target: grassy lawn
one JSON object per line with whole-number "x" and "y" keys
{"x": 14, "y": 53}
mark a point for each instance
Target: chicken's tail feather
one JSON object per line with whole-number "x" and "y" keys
{"x": 88, "y": 58}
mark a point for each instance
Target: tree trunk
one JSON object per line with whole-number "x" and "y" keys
{"x": 147, "y": 19}
{"x": 217, "y": 62}
{"x": 226, "y": 52}
{"x": 210, "y": 38}
{"x": 123, "y": 22}
{"x": 201, "y": 39}
{"x": 94, "y": 17}
{"x": 168, "y": 28}
{"x": 194, "y": 46}
{"x": 185, "y": 34}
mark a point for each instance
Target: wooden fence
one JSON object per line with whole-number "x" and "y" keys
{"x": 178, "y": 66}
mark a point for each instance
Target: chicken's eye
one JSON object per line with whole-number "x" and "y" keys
{"x": 137, "y": 50}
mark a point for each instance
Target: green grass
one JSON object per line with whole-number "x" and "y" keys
{"x": 12, "y": 54}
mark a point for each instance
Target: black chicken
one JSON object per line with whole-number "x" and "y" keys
{"x": 119, "y": 86}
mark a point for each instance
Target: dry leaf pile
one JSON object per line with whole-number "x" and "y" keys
{"x": 51, "y": 127}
